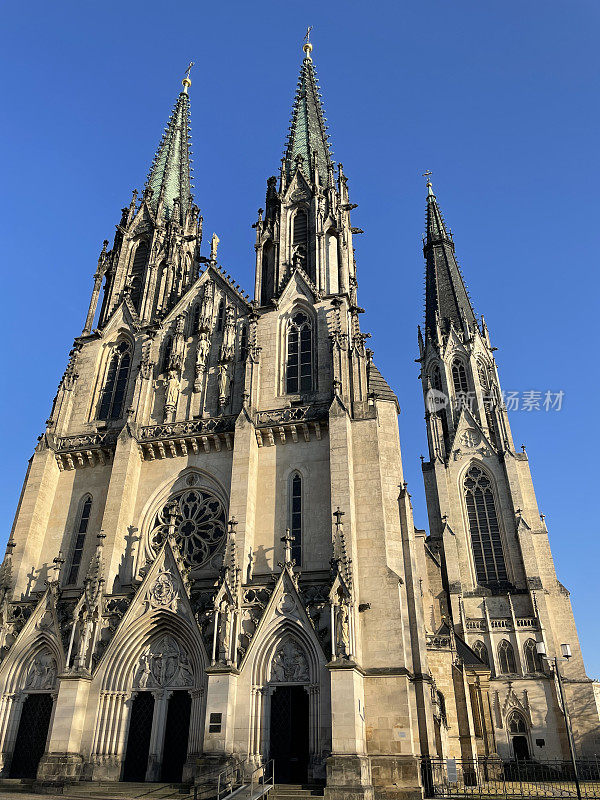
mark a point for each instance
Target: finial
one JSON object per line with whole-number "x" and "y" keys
{"x": 187, "y": 81}
{"x": 307, "y": 47}
{"x": 427, "y": 175}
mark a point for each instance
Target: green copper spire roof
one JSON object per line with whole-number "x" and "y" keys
{"x": 308, "y": 131}
{"x": 446, "y": 295}
{"x": 170, "y": 170}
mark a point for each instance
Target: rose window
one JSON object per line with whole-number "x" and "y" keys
{"x": 199, "y": 525}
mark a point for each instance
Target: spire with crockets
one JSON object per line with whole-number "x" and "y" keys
{"x": 446, "y": 297}
{"x": 155, "y": 255}
{"x": 307, "y": 136}
{"x": 170, "y": 173}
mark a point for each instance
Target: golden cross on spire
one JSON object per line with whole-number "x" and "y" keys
{"x": 307, "y": 45}
{"x": 427, "y": 175}
{"x": 187, "y": 82}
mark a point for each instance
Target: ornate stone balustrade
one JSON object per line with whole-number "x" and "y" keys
{"x": 85, "y": 449}
{"x": 291, "y": 424}
{"x": 438, "y": 642}
{"x": 503, "y": 623}
{"x": 180, "y": 438}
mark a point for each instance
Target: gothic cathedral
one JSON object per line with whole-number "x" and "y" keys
{"x": 214, "y": 555}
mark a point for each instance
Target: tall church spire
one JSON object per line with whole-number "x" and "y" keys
{"x": 169, "y": 174}
{"x": 446, "y": 297}
{"x": 308, "y": 131}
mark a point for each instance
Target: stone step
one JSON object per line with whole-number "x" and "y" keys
{"x": 108, "y": 790}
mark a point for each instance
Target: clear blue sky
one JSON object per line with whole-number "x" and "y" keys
{"x": 498, "y": 99}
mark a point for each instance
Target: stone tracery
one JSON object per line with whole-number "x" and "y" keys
{"x": 197, "y": 520}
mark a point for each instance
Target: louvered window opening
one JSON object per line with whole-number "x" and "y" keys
{"x": 296, "y": 517}
{"x": 137, "y": 273}
{"x": 299, "y": 360}
{"x": 459, "y": 377}
{"x": 115, "y": 385}
{"x": 486, "y": 542}
{"x": 81, "y": 530}
{"x": 300, "y": 228}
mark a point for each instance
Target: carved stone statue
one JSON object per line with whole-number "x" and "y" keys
{"x": 342, "y": 632}
{"x": 164, "y": 663}
{"x": 206, "y": 311}
{"x": 223, "y": 633}
{"x": 41, "y": 673}
{"x": 289, "y": 664}
{"x": 172, "y": 392}
{"x": 224, "y": 382}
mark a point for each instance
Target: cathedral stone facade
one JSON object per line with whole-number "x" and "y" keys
{"x": 214, "y": 554}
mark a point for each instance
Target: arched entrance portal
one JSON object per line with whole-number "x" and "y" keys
{"x": 31, "y": 735}
{"x": 517, "y": 729}
{"x": 159, "y": 722}
{"x": 289, "y": 733}
{"x": 138, "y": 741}
{"x": 177, "y": 731}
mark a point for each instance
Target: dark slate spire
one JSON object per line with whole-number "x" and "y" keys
{"x": 170, "y": 171}
{"x": 308, "y": 131}
{"x": 446, "y": 296}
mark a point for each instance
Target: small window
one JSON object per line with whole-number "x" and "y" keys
{"x": 296, "y": 516}
{"x": 168, "y": 349}
{"x": 481, "y": 652}
{"x": 459, "y": 376}
{"x": 195, "y": 319}
{"x": 80, "y": 532}
{"x": 221, "y": 316}
{"x": 483, "y": 376}
{"x": 300, "y": 228}
{"x": 436, "y": 379}
{"x": 506, "y": 658}
{"x": 533, "y": 660}
{"x": 115, "y": 384}
{"x": 244, "y": 343}
{"x": 299, "y": 355}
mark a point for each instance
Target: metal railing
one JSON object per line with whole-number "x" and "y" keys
{"x": 493, "y": 778}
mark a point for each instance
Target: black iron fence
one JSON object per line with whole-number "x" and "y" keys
{"x": 493, "y": 778}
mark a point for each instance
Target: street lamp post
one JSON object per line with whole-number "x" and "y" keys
{"x": 553, "y": 663}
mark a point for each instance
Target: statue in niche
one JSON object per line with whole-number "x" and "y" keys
{"x": 223, "y": 633}
{"x": 224, "y": 381}
{"x": 164, "y": 663}
{"x": 342, "y": 631}
{"x": 172, "y": 392}
{"x": 207, "y": 308}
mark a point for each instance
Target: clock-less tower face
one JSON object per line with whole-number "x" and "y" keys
{"x": 199, "y": 525}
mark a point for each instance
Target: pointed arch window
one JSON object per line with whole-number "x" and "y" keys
{"x": 483, "y": 376}
{"x": 296, "y": 514}
{"x": 506, "y": 658}
{"x": 436, "y": 379}
{"x": 115, "y": 384}
{"x": 195, "y": 319}
{"x": 81, "y": 526}
{"x": 138, "y": 268}
{"x": 221, "y": 316}
{"x": 244, "y": 343}
{"x": 533, "y": 660}
{"x": 300, "y": 232}
{"x": 267, "y": 284}
{"x": 299, "y": 368}
{"x": 168, "y": 349}
{"x": 459, "y": 377}
{"x": 486, "y": 542}
{"x": 481, "y": 652}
